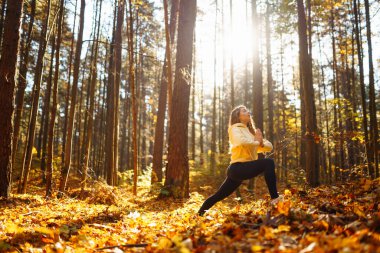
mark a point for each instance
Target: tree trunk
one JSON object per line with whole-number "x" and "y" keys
{"x": 201, "y": 113}
{"x": 334, "y": 88}
{"x": 213, "y": 133}
{"x": 178, "y": 167}
{"x": 362, "y": 87}
{"x": 2, "y": 15}
{"x": 312, "y": 158}
{"x": 257, "y": 86}
{"x": 164, "y": 90}
{"x": 193, "y": 105}
{"x": 257, "y": 101}
{"x": 49, "y": 163}
{"x": 232, "y": 61}
{"x": 246, "y": 87}
{"x": 69, "y": 136}
{"x": 284, "y": 158}
{"x": 25, "y": 49}
{"x": 374, "y": 131}
{"x": 8, "y": 64}
{"x": 45, "y": 112}
{"x": 143, "y": 115}
{"x": 134, "y": 102}
{"x": 270, "y": 133}
{"x": 36, "y": 94}
{"x": 110, "y": 116}
{"x": 90, "y": 115}
{"x": 118, "y": 60}
{"x": 67, "y": 98}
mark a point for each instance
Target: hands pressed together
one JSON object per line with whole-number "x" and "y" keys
{"x": 259, "y": 136}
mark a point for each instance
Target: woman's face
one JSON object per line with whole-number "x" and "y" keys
{"x": 244, "y": 115}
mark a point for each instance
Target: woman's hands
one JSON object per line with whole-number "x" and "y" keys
{"x": 259, "y": 136}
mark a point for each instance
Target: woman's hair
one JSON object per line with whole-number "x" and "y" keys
{"x": 234, "y": 118}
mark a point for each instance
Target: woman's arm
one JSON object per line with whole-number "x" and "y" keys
{"x": 238, "y": 138}
{"x": 267, "y": 147}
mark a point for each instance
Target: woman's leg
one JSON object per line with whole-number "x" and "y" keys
{"x": 229, "y": 186}
{"x": 248, "y": 170}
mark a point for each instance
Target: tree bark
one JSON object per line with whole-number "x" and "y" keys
{"x": 257, "y": 86}
{"x": 178, "y": 167}
{"x": 36, "y": 94}
{"x": 90, "y": 116}
{"x": 70, "y": 126}
{"x": 134, "y": 104}
{"x": 158, "y": 148}
{"x": 49, "y": 162}
{"x": 312, "y": 158}
{"x": 257, "y": 102}
{"x": 8, "y": 64}
{"x": 67, "y": 98}
{"x": 213, "y": 131}
{"x": 270, "y": 133}
{"x": 118, "y": 41}
{"x": 374, "y": 131}
{"x": 25, "y": 49}
{"x": 2, "y": 15}
{"x": 362, "y": 87}
{"x": 45, "y": 122}
{"x": 232, "y": 61}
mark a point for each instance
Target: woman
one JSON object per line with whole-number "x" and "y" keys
{"x": 245, "y": 143}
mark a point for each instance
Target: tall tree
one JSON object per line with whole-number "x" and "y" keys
{"x": 110, "y": 117}
{"x": 43, "y": 135}
{"x": 312, "y": 158}
{"x": 374, "y": 131}
{"x": 67, "y": 97}
{"x": 2, "y": 16}
{"x": 118, "y": 60}
{"x": 70, "y": 126}
{"x": 8, "y": 63}
{"x": 166, "y": 74}
{"x": 27, "y": 162}
{"x": 270, "y": 133}
{"x": 193, "y": 112}
{"x": 232, "y": 60}
{"x": 257, "y": 100}
{"x": 213, "y": 131}
{"x": 90, "y": 116}
{"x": 362, "y": 85}
{"x": 133, "y": 91}
{"x": 50, "y": 134}
{"x": 21, "y": 85}
{"x": 257, "y": 85}
{"x": 176, "y": 181}
{"x": 335, "y": 93}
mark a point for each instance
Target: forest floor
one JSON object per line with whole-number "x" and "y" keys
{"x": 341, "y": 218}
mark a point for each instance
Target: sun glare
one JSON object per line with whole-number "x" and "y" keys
{"x": 231, "y": 41}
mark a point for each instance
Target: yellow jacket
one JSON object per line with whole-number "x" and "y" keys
{"x": 243, "y": 146}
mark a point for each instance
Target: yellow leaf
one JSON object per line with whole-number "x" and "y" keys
{"x": 13, "y": 228}
{"x": 287, "y": 192}
{"x": 267, "y": 232}
{"x": 164, "y": 243}
{"x": 366, "y": 184}
{"x": 283, "y": 207}
{"x": 283, "y": 228}
{"x": 45, "y": 231}
{"x": 256, "y": 248}
{"x": 359, "y": 212}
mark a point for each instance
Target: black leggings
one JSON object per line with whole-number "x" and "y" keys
{"x": 236, "y": 173}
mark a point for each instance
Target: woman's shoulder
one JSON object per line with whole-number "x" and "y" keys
{"x": 235, "y": 126}
{"x": 238, "y": 125}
